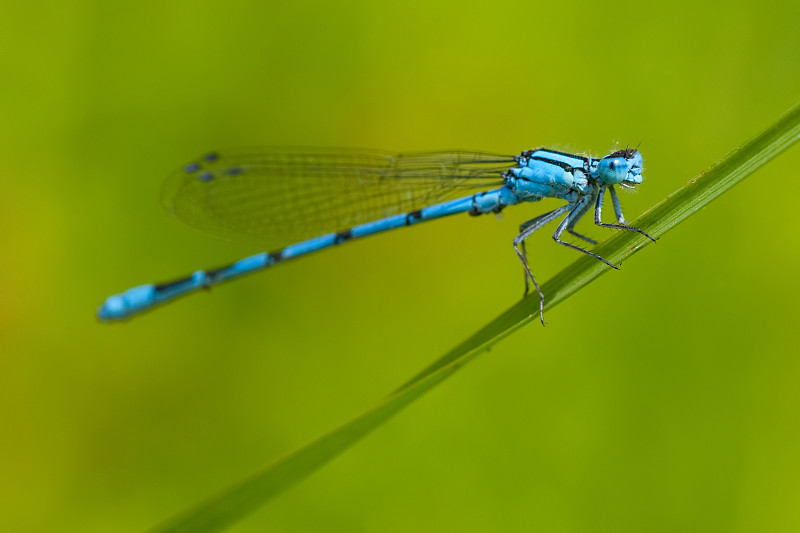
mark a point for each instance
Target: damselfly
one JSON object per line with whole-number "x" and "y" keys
{"x": 301, "y": 201}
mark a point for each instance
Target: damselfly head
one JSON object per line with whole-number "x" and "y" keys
{"x": 623, "y": 167}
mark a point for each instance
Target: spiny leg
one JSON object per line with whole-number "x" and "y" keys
{"x": 576, "y": 211}
{"x": 538, "y": 222}
{"x": 526, "y": 230}
{"x": 522, "y": 228}
{"x": 571, "y": 225}
{"x": 535, "y": 220}
{"x": 598, "y": 209}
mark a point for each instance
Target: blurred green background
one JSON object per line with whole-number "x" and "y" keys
{"x": 662, "y": 397}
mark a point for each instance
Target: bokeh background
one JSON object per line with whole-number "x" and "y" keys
{"x": 663, "y": 397}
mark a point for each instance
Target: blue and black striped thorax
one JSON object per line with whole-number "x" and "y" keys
{"x": 547, "y": 173}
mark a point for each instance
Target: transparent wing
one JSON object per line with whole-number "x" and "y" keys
{"x": 278, "y": 196}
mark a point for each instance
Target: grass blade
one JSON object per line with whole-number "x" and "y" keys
{"x": 234, "y": 503}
